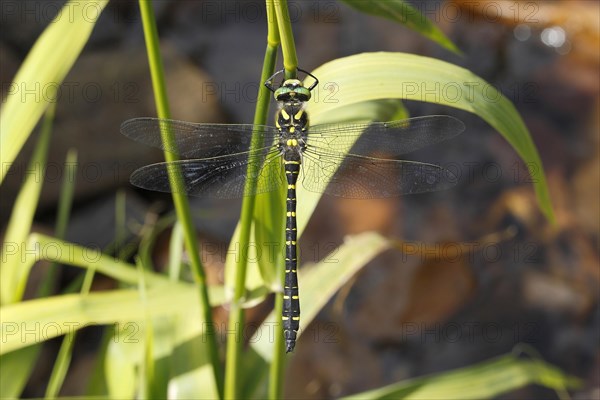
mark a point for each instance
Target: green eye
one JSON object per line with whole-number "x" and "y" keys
{"x": 302, "y": 91}
{"x": 292, "y": 88}
{"x": 282, "y": 91}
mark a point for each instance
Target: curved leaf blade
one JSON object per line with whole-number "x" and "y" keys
{"x": 485, "y": 380}
{"x": 373, "y": 76}
{"x": 59, "y": 315}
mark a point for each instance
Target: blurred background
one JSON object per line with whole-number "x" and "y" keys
{"x": 479, "y": 269}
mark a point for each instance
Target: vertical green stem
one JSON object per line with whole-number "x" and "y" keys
{"x": 290, "y": 61}
{"x": 290, "y": 64}
{"x": 278, "y": 362}
{"x": 63, "y": 359}
{"x": 61, "y": 365}
{"x": 66, "y": 194}
{"x": 236, "y": 313}
{"x": 179, "y": 199}
{"x": 65, "y": 202}
{"x": 13, "y": 277}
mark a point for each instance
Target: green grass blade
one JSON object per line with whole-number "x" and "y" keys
{"x": 51, "y": 249}
{"x": 180, "y": 201}
{"x": 146, "y": 372}
{"x": 373, "y": 76}
{"x": 255, "y": 384}
{"x": 46, "y": 65}
{"x": 321, "y": 281}
{"x": 13, "y": 277}
{"x": 17, "y": 367}
{"x": 402, "y": 12}
{"x": 67, "y": 190}
{"x": 58, "y": 315}
{"x": 176, "y": 252}
{"x": 481, "y": 381}
{"x": 191, "y": 377}
{"x": 180, "y": 368}
{"x": 65, "y": 202}
{"x": 63, "y": 360}
{"x": 149, "y": 236}
{"x": 96, "y": 385}
{"x": 146, "y": 352}
{"x": 15, "y": 371}
{"x": 119, "y": 369}
{"x": 61, "y": 366}
{"x": 236, "y": 312}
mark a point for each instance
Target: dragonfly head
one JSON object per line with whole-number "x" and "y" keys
{"x": 292, "y": 89}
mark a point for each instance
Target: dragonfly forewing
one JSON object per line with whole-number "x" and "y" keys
{"x": 384, "y": 139}
{"x": 194, "y": 140}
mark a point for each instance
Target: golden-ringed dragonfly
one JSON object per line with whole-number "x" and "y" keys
{"x": 218, "y": 159}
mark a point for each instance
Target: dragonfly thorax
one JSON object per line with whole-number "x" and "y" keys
{"x": 292, "y": 123}
{"x": 291, "y": 117}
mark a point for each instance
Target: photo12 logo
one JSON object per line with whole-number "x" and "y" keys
{"x": 43, "y": 12}
{"x": 469, "y": 92}
{"x": 467, "y": 332}
{"x": 237, "y": 92}
{"x": 71, "y": 92}
{"x": 254, "y": 11}
{"x": 37, "y": 332}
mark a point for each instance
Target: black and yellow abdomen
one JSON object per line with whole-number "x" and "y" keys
{"x": 292, "y": 123}
{"x": 291, "y": 303}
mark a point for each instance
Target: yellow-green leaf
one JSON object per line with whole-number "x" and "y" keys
{"x": 372, "y": 76}
{"x": 486, "y": 380}
{"x": 55, "y": 316}
{"x": 15, "y": 272}
{"x": 15, "y": 371}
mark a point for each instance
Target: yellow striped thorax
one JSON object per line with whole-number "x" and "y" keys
{"x": 291, "y": 119}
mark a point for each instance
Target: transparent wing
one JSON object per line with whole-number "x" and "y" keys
{"x": 219, "y": 177}
{"x": 384, "y": 139}
{"x": 197, "y": 140}
{"x": 364, "y": 177}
